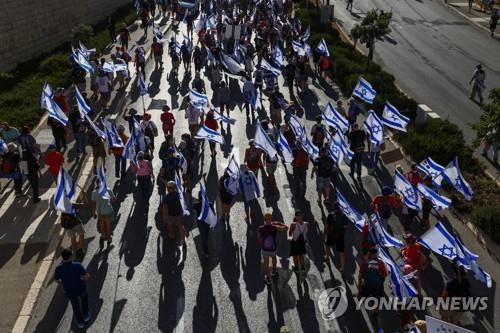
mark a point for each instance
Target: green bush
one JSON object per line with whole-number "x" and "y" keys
{"x": 82, "y": 33}
{"x": 487, "y": 219}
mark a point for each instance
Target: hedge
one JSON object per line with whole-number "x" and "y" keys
{"x": 487, "y": 219}
{"x": 20, "y": 89}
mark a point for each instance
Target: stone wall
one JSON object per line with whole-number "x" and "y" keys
{"x": 31, "y": 27}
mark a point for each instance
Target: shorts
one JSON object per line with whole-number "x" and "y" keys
{"x": 105, "y": 96}
{"x": 75, "y": 231}
{"x": 337, "y": 242}
{"x": 271, "y": 167}
{"x": 158, "y": 58}
{"x": 175, "y": 220}
{"x": 322, "y": 183}
{"x": 193, "y": 128}
{"x": 99, "y": 151}
{"x": 266, "y": 253}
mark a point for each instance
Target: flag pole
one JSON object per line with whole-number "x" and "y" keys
{"x": 143, "y": 105}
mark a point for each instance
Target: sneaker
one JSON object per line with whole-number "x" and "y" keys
{"x": 268, "y": 281}
{"x": 87, "y": 318}
{"x": 80, "y": 325}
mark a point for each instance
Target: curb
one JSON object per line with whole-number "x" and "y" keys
{"x": 56, "y": 239}
{"x": 468, "y": 19}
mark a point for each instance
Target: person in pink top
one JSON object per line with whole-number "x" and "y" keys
{"x": 144, "y": 172}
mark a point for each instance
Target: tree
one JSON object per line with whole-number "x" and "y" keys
{"x": 490, "y": 119}
{"x": 374, "y": 26}
{"x": 356, "y": 34}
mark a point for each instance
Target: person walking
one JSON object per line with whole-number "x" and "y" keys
{"x": 59, "y": 133}
{"x": 384, "y": 203}
{"x": 73, "y": 227}
{"x": 26, "y": 140}
{"x": 223, "y": 97}
{"x": 324, "y": 169}
{"x": 167, "y": 120}
{"x": 298, "y": 231}
{"x": 33, "y": 175}
{"x": 74, "y": 277}
{"x": 253, "y": 158}
{"x": 54, "y": 160}
{"x": 111, "y": 28}
{"x": 10, "y": 168}
{"x": 249, "y": 189}
{"x": 192, "y": 114}
{"x": 226, "y": 197}
{"x": 334, "y": 234}
{"x": 372, "y": 273}
{"x": 457, "y": 288}
{"x": 98, "y": 149}
{"x": 172, "y": 212}
{"x": 349, "y": 5}
{"x": 120, "y": 161}
{"x": 290, "y": 77}
{"x": 268, "y": 242}
{"x": 150, "y": 130}
{"x": 157, "y": 53}
{"x": 494, "y": 22}
{"x": 357, "y": 138}
{"x": 124, "y": 37}
{"x": 80, "y": 135}
{"x": 102, "y": 210}
{"x": 144, "y": 171}
{"x": 211, "y": 123}
{"x": 478, "y": 85}
{"x": 300, "y": 165}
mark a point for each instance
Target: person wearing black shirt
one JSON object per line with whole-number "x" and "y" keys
{"x": 334, "y": 235}
{"x": 33, "y": 171}
{"x": 172, "y": 212}
{"x": 457, "y": 288}
{"x": 357, "y": 138}
{"x": 290, "y": 77}
{"x": 324, "y": 168}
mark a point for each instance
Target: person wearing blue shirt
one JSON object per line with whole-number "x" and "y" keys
{"x": 73, "y": 277}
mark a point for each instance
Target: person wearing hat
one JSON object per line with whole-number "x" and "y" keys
{"x": 333, "y": 234}
{"x": 413, "y": 256}
{"x": 268, "y": 233}
{"x": 131, "y": 117}
{"x": 144, "y": 171}
{"x": 253, "y": 158}
{"x": 120, "y": 161}
{"x": 249, "y": 189}
{"x": 172, "y": 212}
{"x": 167, "y": 120}
{"x": 298, "y": 232}
{"x": 478, "y": 84}
{"x": 53, "y": 160}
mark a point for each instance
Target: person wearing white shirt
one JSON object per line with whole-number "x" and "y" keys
{"x": 249, "y": 189}
{"x": 193, "y": 114}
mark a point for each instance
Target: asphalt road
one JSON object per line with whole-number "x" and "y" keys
{"x": 432, "y": 52}
{"x": 145, "y": 283}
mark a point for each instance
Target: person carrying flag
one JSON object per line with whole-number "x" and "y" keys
{"x": 249, "y": 189}
{"x": 102, "y": 210}
{"x": 120, "y": 161}
{"x": 372, "y": 273}
{"x": 253, "y": 158}
{"x": 384, "y": 203}
{"x": 333, "y": 235}
{"x": 172, "y": 212}
{"x": 267, "y": 238}
{"x": 478, "y": 84}
{"x": 357, "y": 138}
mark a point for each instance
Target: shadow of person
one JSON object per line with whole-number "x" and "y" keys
{"x": 205, "y": 312}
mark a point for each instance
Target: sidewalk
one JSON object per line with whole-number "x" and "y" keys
{"x": 475, "y": 15}
{"x": 30, "y": 234}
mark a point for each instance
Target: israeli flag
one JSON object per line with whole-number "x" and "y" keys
{"x": 297, "y": 128}
{"x": 80, "y": 102}
{"x": 353, "y": 216}
{"x": 177, "y": 48}
{"x": 143, "y": 90}
{"x": 236, "y": 52}
{"x": 181, "y": 161}
{"x": 212, "y": 23}
{"x": 364, "y": 91}
{"x": 411, "y": 196}
{"x": 112, "y": 135}
{"x": 339, "y": 150}
{"x": 322, "y": 48}
{"x": 454, "y": 177}
{"x": 232, "y": 182}
{"x": 209, "y": 134}
{"x": 180, "y": 190}
{"x": 207, "y": 214}
{"x": 306, "y": 34}
{"x": 310, "y": 148}
{"x": 297, "y": 48}
{"x": 3, "y": 147}
{"x": 379, "y": 235}
{"x": 392, "y": 118}
{"x": 307, "y": 49}
{"x": 86, "y": 51}
{"x": 137, "y": 5}
{"x": 103, "y": 188}
{"x": 400, "y": 283}
{"x": 55, "y": 111}
{"x": 46, "y": 90}
{"x": 285, "y": 149}
{"x": 263, "y": 141}
{"x": 439, "y": 202}
{"x": 129, "y": 150}
{"x": 468, "y": 260}
{"x": 433, "y": 169}
{"x": 84, "y": 63}
{"x": 440, "y": 241}
{"x": 198, "y": 100}
{"x": 65, "y": 192}
{"x": 188, "y": 41}
{"x": 278, "y": 56}
{"x": 265, "y": 65}
{"x": 374, "y": 126}
{"x": 334, "y": 118}
{"x": 184, "y": 19}
{"x": 221, "y": 117}
{"x": 231, "y": 65}
{"x": 99, "y": 132}
{"x": 255, "y": 99}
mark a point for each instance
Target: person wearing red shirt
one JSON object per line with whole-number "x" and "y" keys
{"x": 61, "y": 100}
{"x": 168, "y": 120}
{"x": 384, "y": 204}
{"x": 211, "y": 123}
{"x": 413, "y": 176}
{"x": 413, "y": 257}
{"x": 54, "y": 160}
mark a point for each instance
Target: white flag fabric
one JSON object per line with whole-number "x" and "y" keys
{"x": 310, "y": 148}
{"x": 298, "y": 48}
{"x": 306, "y": 34}
{"x": 80, "y": 102}
{"x": 65, "y": 192}
{"x": 439, "y": 202}
{"x": 379, "y": 235}
{"x": 322, "y": 48}
{"x": 454, "y": 177}
{"x": 232, "y": 183}
{"x": 468, "y": 260}
{"x": 278, "y": 56}
{"x": 110, "y": 67}
{"x": 400, "y": 283}
{"x": 353, "y": 216}
{"x": 46, "y": 90}
{"x": 84, "y": 63}
{"x": 375, "y": 128}
{"x": 433, "y": 169}
{"x": 86, "y": 52}
{"x": 440, "y": 241}
{"x": 209, "y": 134}
{"x": 263, "y": 141}
{"x": 198, "y": 100}
{"x": 112, "y": 136}
{"x": 285, "y": 149}
{"x": 181, "y": 161}
{"x": 334, "y": 118}
{"x": 297, "y": 128}
{"x": 207, "y": 213}
{"x": 3, "y": 147}
{"x": 218, "y": 116}
{"x": 232, "y": 65}
{"x": 55, "y": 111}
{"x": 266, "y": 66}
{"x": 392, "y": 118}
{"x": 103, "y": 188}
{"x": 99, "y": 132}
{"x": 129, "y": 150}
{"x": 339, "y": 151}
{"x": 180, "y": 190}
{"x": 143, "y": 90}
{"x": 411, "y": 196}
{"x": 364, "y": 91}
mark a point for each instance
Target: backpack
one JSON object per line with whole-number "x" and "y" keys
{"x": 69, "y": 221}
{"x": 150, "y": 132}
{"x": 269, "y": 243}
{"x": 6, "y": 167}
{"x": 385, "y": 209}
{"x": 372, "y": 277}
{"x": 325, "y": 63}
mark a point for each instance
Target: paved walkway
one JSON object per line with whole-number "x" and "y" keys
{"x": 26, "y": 230}
{"x": 476, "y": 14}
